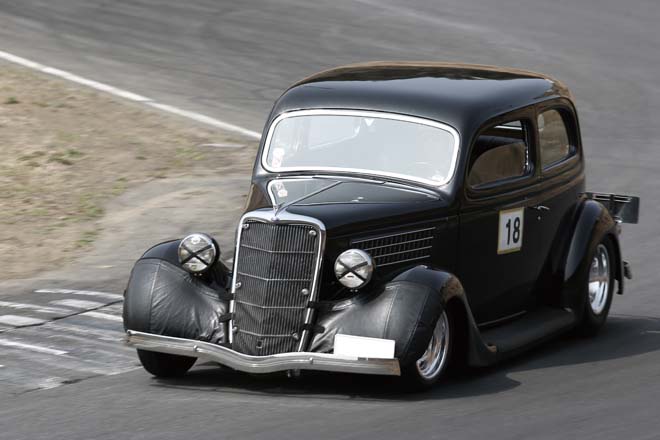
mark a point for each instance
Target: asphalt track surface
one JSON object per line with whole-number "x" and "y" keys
{"x": 230, "y": 60}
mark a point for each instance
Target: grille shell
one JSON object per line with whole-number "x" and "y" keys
{"x": 275, "y": 261}
{"x": 398, "y": 247}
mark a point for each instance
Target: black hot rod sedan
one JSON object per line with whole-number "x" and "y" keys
{"x": 402, "y": 218}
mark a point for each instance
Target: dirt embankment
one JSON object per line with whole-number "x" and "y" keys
{"x": 68, "y": 152}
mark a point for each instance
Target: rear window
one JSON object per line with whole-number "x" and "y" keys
{"x": 499, "y": 153}
{"x": 553, "y": 138}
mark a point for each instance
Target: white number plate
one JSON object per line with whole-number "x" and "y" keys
{"x": 510, "y": 236}
{"x": 362, "y": 347}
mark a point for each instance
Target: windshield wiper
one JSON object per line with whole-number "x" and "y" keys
{"x": 278, "y": 208}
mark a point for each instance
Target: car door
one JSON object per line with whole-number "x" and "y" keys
{"x": 562, "y": 182}
{"x": 498, "y": 263}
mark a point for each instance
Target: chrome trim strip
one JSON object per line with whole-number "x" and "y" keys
{"x": 403, "y": 252}
{"x": 272, "y": 279}
{"x": 378, "y": 237}
{"x": 261, "y": 364}
{"x": 270, "y": 307}
{"x": 398, "y": 244}
{"x": 254, "y": 248}
{"x": 404, "y": 261}
{"x": 286, "y": 218}
{"x": 508, "y": 127}
{"x": 503, "y": 319}
{"x": 262, "y": 334}
{"x": 608, "y": 197}
{"x": 367, "y": 114}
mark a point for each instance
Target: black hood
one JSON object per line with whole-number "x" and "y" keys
{"x": 347, "y": 205}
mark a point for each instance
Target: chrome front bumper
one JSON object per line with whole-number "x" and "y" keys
{"x": 261, "y": 364}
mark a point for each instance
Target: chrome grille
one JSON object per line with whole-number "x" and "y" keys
{"x": 274, "y": 280}
{"x": 398, "y": 248}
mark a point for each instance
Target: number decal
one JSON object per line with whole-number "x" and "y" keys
{"x": 510, "y": 237}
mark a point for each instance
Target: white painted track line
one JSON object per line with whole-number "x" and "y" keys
{"x": 105, "y": 316}
{"x": 19, "y": 321}
{"x": 78, "y": 303}
{"x": 103, "y": 334}
{"x": 198, "y": 117}
{"x": 34, "y": 307}
{"x": 51, "y": 382}
{"x": 107, "y": 295}
{"x": 86, "y": 343}
{"x": 30, "y": 347}
{"x": 94, "y": 84}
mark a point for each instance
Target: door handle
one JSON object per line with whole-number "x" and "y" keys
{"x": 539, "y": 208}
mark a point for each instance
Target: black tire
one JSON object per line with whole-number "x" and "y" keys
{"x": 594, "y": 317}
{"x": 164, "y": 364}
{"x": 412, "y": 377}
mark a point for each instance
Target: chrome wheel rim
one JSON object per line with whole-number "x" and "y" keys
{"x": 599, "y": 280}
{"x": 433, "y": 361}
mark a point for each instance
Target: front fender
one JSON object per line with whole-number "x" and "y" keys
{"x": 405, "y": 310}
{"x": 164, "y": 299}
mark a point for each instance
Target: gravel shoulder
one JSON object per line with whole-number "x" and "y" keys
{"x": 87, "y": 177}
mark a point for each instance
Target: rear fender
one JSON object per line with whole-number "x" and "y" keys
{"x": 593, "y": 224}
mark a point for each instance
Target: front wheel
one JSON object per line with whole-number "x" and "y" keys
{"x": 164, "y": 364}
{"x": 599, "y": 289}
{"x": 432, "y": 366}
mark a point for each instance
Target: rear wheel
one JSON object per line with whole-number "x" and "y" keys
{"x": 432, "y": 366}
{"x": 164, "y": 364}
{"x": 599, "y": 288}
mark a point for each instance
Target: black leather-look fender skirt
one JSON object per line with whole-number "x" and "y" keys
{"x": 404, "y": 311}
{"x": 164, "y": 299}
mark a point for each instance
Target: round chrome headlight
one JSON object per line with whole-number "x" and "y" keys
{"x": 354, "y": 268}
{"x": 197, "y": 252}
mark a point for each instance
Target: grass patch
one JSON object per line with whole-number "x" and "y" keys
{"x": 87, "y": 238}
{"x": 32, "y": 156}
{"x": 119, "y": 186}
{"x": 60, "y": 158}
{"x": 89, "y": 207}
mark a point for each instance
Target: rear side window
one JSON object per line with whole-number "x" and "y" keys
{"x": 501, "y": 152}
{"x": 553, "y": 138}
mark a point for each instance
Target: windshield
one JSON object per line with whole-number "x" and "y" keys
{"x": 365, "y": 142}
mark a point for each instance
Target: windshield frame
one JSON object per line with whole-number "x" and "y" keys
{"x": 370, "y": 172}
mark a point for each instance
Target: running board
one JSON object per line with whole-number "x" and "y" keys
{"x": 531, "y": 329}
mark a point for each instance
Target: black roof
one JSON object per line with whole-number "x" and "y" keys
{"x": 461, "y": 95}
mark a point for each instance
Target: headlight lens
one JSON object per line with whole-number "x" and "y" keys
{"x": 197, "y": 252}
{"x": 354, "y": 268}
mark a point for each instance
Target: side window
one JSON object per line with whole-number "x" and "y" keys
{"x": 501, "y": 152}
{"x": 553, "y": 138}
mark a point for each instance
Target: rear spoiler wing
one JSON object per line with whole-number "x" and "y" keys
{"x": 623, "y": 208}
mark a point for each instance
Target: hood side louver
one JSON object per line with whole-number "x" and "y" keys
{"x": 401, "y": 247}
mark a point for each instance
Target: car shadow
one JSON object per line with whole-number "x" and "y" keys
{"x": 623, "y": 336}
